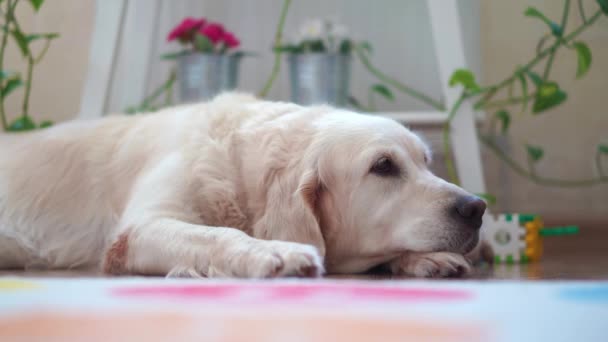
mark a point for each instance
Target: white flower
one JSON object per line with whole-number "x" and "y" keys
{"x": 312, "y": 30}
{"x": 339, "y": 31}
{"x": 331, "y": 33}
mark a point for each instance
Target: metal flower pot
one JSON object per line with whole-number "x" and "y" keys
{"x": 201, "y": 76}
{"x": 319, "y": 78}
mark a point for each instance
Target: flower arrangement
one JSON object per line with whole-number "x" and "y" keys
{"x": 201, "y": 35}
{"x": 319, "y": 35}
{"x": 195, "y": 36}
{"x": 329, "y": 37}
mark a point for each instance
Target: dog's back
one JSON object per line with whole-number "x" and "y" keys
{"x": 63, "y": 189}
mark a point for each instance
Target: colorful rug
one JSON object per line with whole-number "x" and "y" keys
{"x": 153, "y": 309}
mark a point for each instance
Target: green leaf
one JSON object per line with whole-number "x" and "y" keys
{"x": 23, "y": 123}
{"x": 524, "y": 90}
{"x": 241, "y": 54}
{"x": 505, "y": 119}
{"x": 21, "y": 41}
{"x": 6, "y": 74}
{"x": 535, "y": 13}
{"x": 11, "y": 85}
{"x": 31, "y": 37}
{"x": 36, "y": 4}
{"x": 465, "y": 78}
{"x": 384, "y": 91}
{"x": 538, "y": 81}
{"x": 355, "y": 103}
{"x": 603, "y": 5}
{"x": 316, "y": 45}
{"x": 584, "y": 58}
{"x": 289, "y": 48}
{"x": 489, "y": 198}
{"x": 535, "y": 153}
{"x": 366, "y": 46}
{"x": 548, "y": 95}
{"x": 174, "y": 55}
{"x": 202, "y": 43}
{"x": 346, "y": 46}
{"x": 602, "y": 148}
{"x": 45, "y": 124}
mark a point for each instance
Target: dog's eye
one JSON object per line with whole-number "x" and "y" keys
{"x": 385, "y": 167}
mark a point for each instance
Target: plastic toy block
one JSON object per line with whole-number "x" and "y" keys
{"x": 555, "y": 231}
{"x": 518, "y": 238}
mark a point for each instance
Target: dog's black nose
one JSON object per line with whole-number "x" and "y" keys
{"x": 471, "y": 209}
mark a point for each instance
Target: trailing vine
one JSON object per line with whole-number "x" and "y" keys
{"x": 13, "y": 80}
{"x": 542, "y": 93}
{"x": 547, "y": 94}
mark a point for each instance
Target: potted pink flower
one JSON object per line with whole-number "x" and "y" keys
{"x": 208, "y": 64}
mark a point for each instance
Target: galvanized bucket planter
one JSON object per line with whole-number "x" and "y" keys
{"x": 201, "y": 76}
{"x": 319, "y": 78}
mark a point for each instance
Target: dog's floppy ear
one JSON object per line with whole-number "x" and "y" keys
{"x": 292, "y": 209}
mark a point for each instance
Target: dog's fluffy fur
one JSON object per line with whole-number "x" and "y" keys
{"x": 236, "y": 187}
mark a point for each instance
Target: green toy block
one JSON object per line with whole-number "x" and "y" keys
{"x": 556, "y": 231}
{"x": 524, "y": 218}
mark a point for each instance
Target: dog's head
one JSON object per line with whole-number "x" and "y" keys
{"x": 375, "y": 198}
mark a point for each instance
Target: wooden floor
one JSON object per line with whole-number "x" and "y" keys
{"x": 579, "y": 257}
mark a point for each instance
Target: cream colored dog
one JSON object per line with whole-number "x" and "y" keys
{"x": 236, "y": 187}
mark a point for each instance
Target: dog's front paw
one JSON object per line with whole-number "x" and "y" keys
{"x": 292, "y": 260}
{"x": 431, "y": 265}
{"x": 285, "y": 259}
{"x": 483, "y": 252}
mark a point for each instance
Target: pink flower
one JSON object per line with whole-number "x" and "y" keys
{"x": 213, "y": 31}
{"x": 230, "y": 40}
{"x": 185, "y": 30}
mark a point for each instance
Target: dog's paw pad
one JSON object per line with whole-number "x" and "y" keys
{"x": 294, "y": 260}
{"x": 183, "y": 272}
{"x": 433, "y": 265}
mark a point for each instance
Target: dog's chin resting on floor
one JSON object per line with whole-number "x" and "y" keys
{"x": 236, "y": 187}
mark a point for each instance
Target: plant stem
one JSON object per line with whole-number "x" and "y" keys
{"x": 7, "y": 18}
{"x": 29, "y": 77}
{"x": 547, "y": 181}
{"x": 167, "y": 87}
{"x": 598, "y": 164}
{"x": 447, "y": 144}
{"x": 47, "y": 44}
{"x": 277, "y": 54}
{"x": 541, "y": 43}
{"x": 540, "y": 56}
{"x": 28, "y": 85}
{"x": 563, "y": 26}
{"x": 503, "y": 102}
{"x": 371, "y": 104}
{"x": 581, "y": 11}
{"x": 396, "y": 84}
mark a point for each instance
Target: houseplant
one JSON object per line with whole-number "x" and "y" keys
{"x": 208, "y": 64}
{"x": 319, "y": 63}
{"x": 11, "y": 80}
